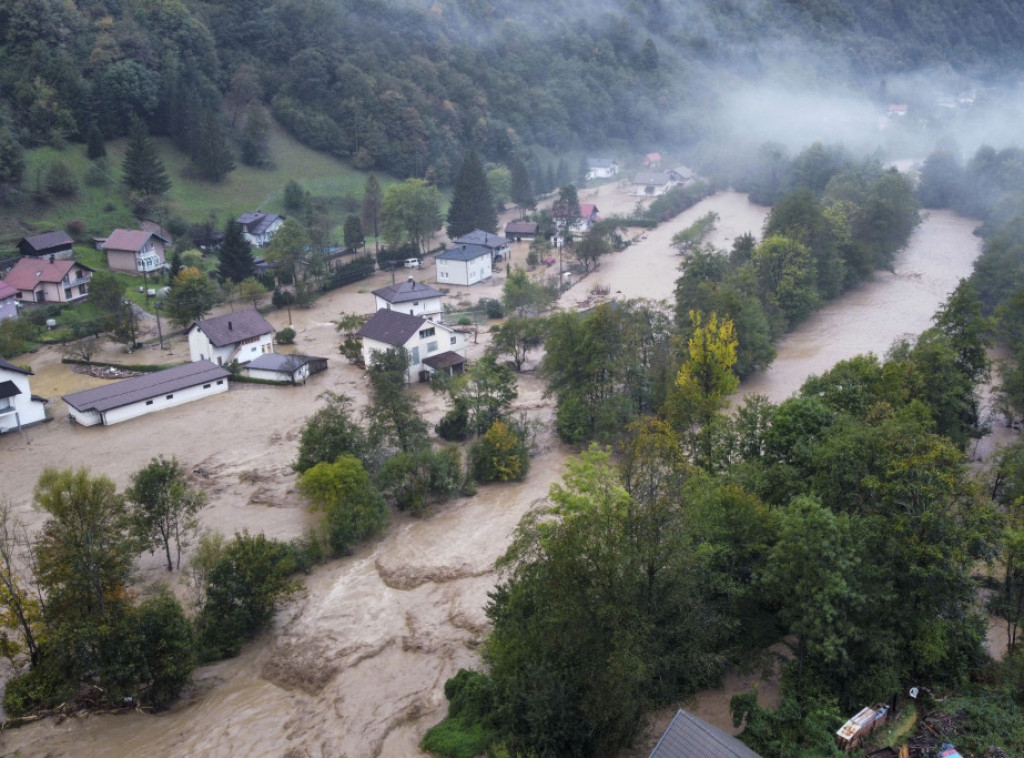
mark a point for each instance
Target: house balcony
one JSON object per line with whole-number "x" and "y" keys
{"x": 80, "y": 280}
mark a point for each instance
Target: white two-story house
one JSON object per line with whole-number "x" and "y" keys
{"x": 412, "y": 297}
{"x": 18, "y": 406}
{"x": 240, "y": 336}
{"x": 431, "y": 347}
{"x": 258, "y": 227}
{"x": 464, "y": 264}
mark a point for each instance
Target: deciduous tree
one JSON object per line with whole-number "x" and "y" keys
{"x": 192, "y": 296}
{"x": 164, "y": 508}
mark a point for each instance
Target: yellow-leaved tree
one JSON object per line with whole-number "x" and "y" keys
{"x": 704, "y": 382}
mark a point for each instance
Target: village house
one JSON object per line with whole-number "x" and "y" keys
{"x": 499, "y": 246}
{"x": 588, "y": 217}
{"x": 18, "y": 406}
{"x": 651, "y": 160}
{"x": 520, "y": 230}
{"x": 688, "y": 736}
{"x": 41, "y": 280}
{"x": 135, "y": 251}
{"x": 147, "y": 393}
{"x": 650, "y": 184}
{"x": 8, "y": 301}
{"x": 56, "y": 244}
{"x": 287, "y": 369}
{"x": 431, "y": 347}
{"x": 683, "y": 175}
{"x": 259, "y": 227}
{"x": 410, "y": 296}
{"x": 601, "y": 168}
{"x": 240, "y": 336}
{"x": 463, "y": 264}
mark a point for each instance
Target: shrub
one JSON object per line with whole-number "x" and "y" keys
{"x": 500, "y": 455}
{"x": 60, "y": 180}
{"x": 454, "y": 426}
{"x": 285, "y": 336}
{"x": 76, "y": 228}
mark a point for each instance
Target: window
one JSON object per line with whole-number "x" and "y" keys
{"x": 220, "y": 382}
{"x": 431, "y": 347}
{"x": 453, "y": 339}
{"x": 206, "y": 386}
{"x": 149, "y": 402}
{"x": 428, "y": 332}
{"x": 414, "y": 356}
{"x": 67, "y": 293}
{"x": 169, "y": 397}
{"x": 416, "y": 303}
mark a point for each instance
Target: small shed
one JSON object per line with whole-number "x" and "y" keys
{"x": 287, "y": 369}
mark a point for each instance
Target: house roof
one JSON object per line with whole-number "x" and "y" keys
{"x": 286, "y": 364}
{"x": 588, "y": 210}
{"x": 600, "y": 162}
{"x": 652, "y": 157}
{"x": 8, "y": 389}
{"x": 146, "y": 386}
{"x": 406, "y": 291}
{"x": 444, "y": 360}
{"x": 129, "y": 239}
{"x": 258, "y": 222}
{"x": 234, "y": 327}
{"x": 11, "y": 367}
{"x": 28, "y": 272}
{"x": 479, "y": 237}
{"x": 391, "y": 327}
{"x": 685, "y": 172}
{"x": 45, "y": 241}
{"x": 650, "y": 177}
{"x": 688, "y": 736}
{"x": 7, "y": 291}
{"x": 521, "y": 227}
{"x": 464, "y": 253}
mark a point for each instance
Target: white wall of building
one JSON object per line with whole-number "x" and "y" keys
{"x": 28, "y": 410}
{"x": 427, "y": 308}
{"x": 420, "y": 346}
{"x": 200, "y": 348}
{"x": 463, "y": 272}
{"x": 159, "y": 403}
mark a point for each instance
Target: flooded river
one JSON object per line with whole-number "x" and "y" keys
{"x": 355, "y": 664}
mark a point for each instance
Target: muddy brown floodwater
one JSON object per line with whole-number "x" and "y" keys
{"x": 355, "y": 664}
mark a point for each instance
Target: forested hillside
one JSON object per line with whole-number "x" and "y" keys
{"x": 408, "y": 86}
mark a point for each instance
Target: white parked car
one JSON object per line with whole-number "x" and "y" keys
{"x": 412, "y": 262}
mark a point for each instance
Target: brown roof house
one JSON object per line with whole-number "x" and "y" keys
{"x": 42, "y": 280}
{"x": 135, "y": 251}
{"x": 520, "y": 230}
{"x": 57, "y": 244}
{"x": 431, "y": 347}
{"x": 240, "y": 336}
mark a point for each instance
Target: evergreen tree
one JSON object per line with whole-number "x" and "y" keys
{"x": 12, "y": 161}
{"x": 254, "y": 137}
{"x": 522, "y": 192}
{"x": 236, "y": 261}
{"x": 353, "y": 232}
{"x": 211, "y": 151}
{"x": 95, "y": 147}
{"x": 373, "y": 201}
{"x": 144, "y": 172}
{"x": 471, "y": 207}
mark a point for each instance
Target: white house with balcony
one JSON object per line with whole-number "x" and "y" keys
{"x": 240, "y": 336}
{"x": 431, "y": 347}
{"x": 410, "y": 296}
{"x": 18, "y": 406}
{"x": 135, "y": 251}
{"x": 258, "y": 227}
{"x": 43, "y": 280}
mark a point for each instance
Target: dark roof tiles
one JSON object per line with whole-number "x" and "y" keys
{"x": 234, "y": 327}
{"x": 146, "y": 386}
{"x": 406, "y": 291}
{"x": 391, "y": 327}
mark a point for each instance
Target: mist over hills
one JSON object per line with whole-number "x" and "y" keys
{"x": 406, "y": 86}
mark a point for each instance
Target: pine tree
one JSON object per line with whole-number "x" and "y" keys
{"x": 522, "y": 192}
{"x": 373, "y": 200}
{"x": 471, "y": 207}
{"x": 95, "y": 147}
{"x": 144, "y": 172}
{"x": 236, "y": 261}
{"x": 211, "y": 152}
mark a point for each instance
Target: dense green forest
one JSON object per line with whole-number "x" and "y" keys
{"x": 408, "y": 87}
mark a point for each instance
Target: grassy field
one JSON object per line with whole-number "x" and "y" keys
{"x": 103, "y": 207}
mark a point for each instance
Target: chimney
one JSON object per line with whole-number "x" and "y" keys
{"x": 52, "y": 257}
{"x": 412, "y": 281}
{"x": 230, "y": 326}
